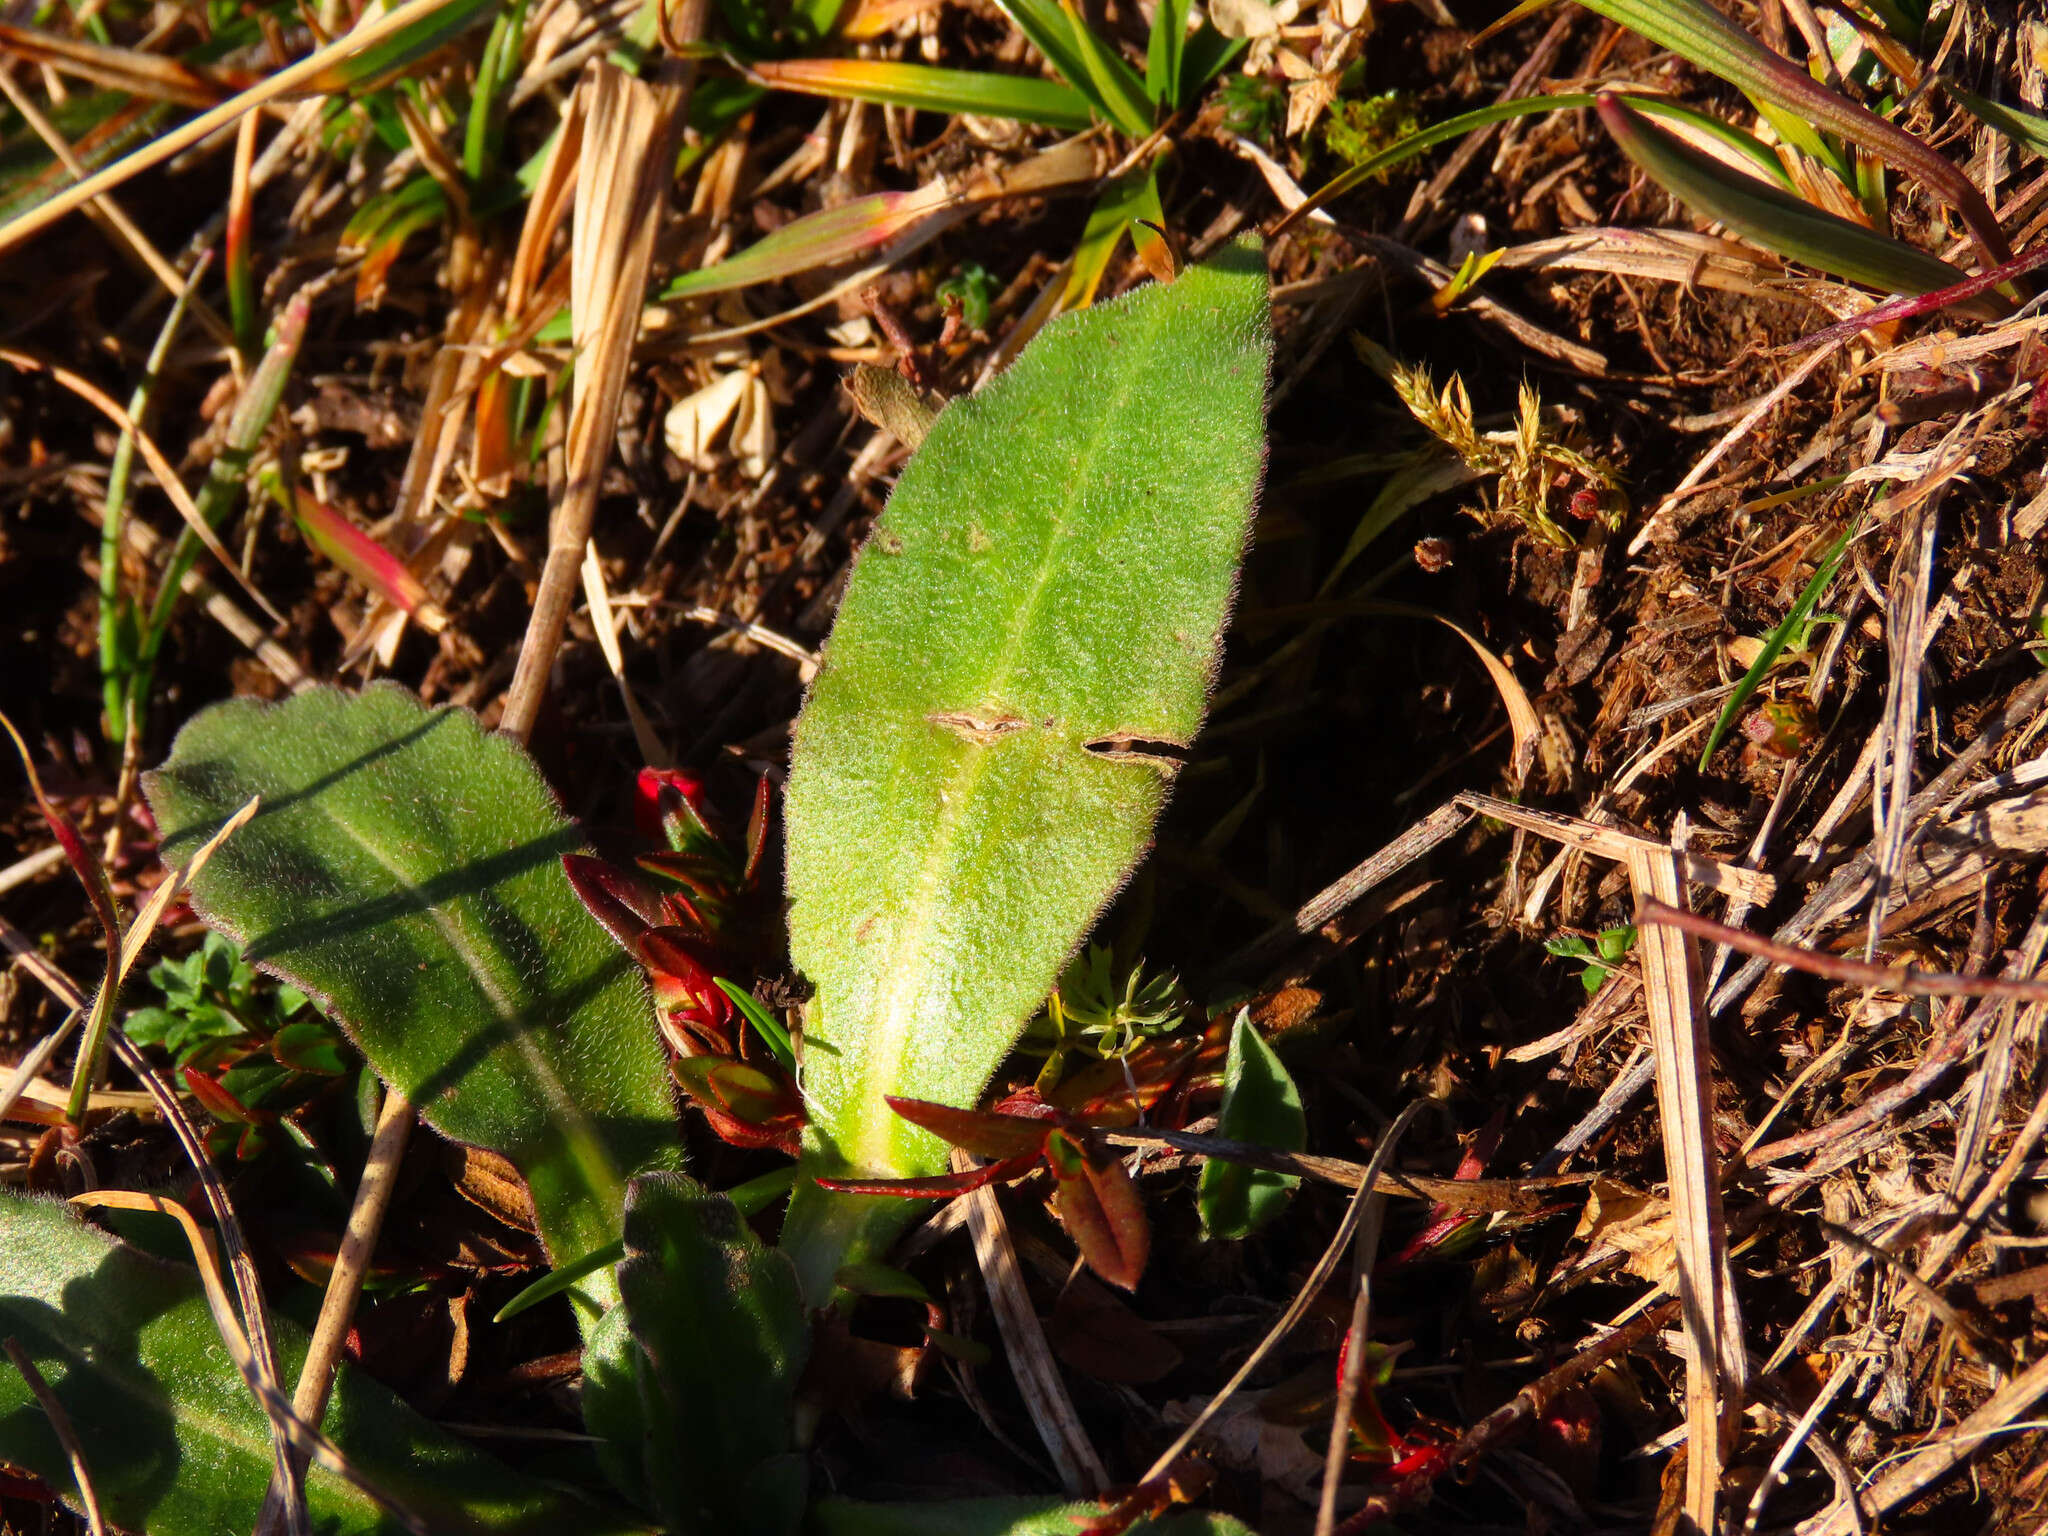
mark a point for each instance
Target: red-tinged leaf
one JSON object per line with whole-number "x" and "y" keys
{"x": 924, "y": 87}
{"x": 694, "y": 1074}
{"x": 219, "y": 1102}
{"x": 940, "y": 1186}
{"x": 757, "y": 831}
{"x": 667, "y": 803}
{"x": 1101, "y": 1210}
{"x": 977, "y": 1131}
{"x": 753, "y": 1094}
{"x": 85, "y": 863}
{"x": 682, "y": 985}
{"x": 625, "y": 907}
{"x": 363, "y": 558}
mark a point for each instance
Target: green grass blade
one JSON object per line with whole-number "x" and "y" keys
{"x": 1528, "y": 106}
{"x": 987, "y": 726}
{"x": 1164, "y": 51}
{"x": 927, "y": 88}
{"x": 389, "y": 57}
{"x": 1131, "y": 197}
{"x": 860, "y": 228}
{"x": 1776, "y": 641}
{"x": 1084, "y": 62}
{"x": 2029, "y": 130}
{"x": 1775, "y": 220}
{"x": 1700, "y": 34}
{"x": 766, "y": 1025}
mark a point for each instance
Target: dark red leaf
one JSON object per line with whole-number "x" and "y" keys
{"x": 942, "y": 1186}
{"x": 1100, "y": 1208}
{"x": 757, "y": 831}
{"x": 625, "y": 907}
{"x": 219, "y": 1102}
{"x": 978, "y": 1131}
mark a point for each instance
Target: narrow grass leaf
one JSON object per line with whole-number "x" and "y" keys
{"x": 365, "y": 69}
{"x": 927, "y": 88}
{"x": 1747, "y": 144}
{"x": 1775, "y": 220}
{"x": 1164, "y": 50}
{"x": 1090, "y": 65}
{"x": 2029, "y": 130}
{"x": 1132, "y": 197}
{"x": 861, "y": 226}
{"x": 1778, "y": 639}
{"x": 1700, "y": 34}
{"x": 1261, "y": 1106}
{"x": 766, "y": 1025}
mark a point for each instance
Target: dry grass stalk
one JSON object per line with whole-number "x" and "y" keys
{"x": 1716, "y": 1366}
{"x": 622, "y": 186}
{"x": 345, "y": 1280}
{"x": 159, "y": 465}
{"x": 109, "y": 213}
{"x": 61, "y": 1427}
{"x": 1365, "y": 1250}
{"x": 1944, "y": 1455}
{"x": 1025, "y": 1347}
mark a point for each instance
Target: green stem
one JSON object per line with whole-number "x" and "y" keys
{"x": 117, "y": 644}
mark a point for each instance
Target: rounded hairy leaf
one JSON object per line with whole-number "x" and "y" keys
{"x": 174, "y": 1441}
{"x": 405, "y": 870}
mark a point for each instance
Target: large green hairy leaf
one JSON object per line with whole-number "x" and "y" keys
{"x": 1028, "y": 636}
{"x": 173, "y": 1439}
{"x": 405, "y": 870}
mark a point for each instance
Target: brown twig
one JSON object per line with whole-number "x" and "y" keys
{"x": 1325, "y": 1267}
{"x": 1907, "y": 979}
{"x": 351, "y": 1263}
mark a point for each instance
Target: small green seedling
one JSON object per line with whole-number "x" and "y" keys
{"x": 1597, "y": 959}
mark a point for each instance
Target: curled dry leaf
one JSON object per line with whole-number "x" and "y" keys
{"x": 734, "y": 405}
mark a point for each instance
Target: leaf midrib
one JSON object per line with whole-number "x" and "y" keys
{"x": 886, "y": 1036}
{"x": 566, "y": 1118}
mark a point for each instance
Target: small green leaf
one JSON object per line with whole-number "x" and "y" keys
{"x": 722, "y": 1326}
{"x": 1027, "y": 640}
{"x": 176, "y": 1444}
{"x": 881, "y": 1280}
{"x": 1262, "y": 1106}
{"x": 406, "y": 870}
